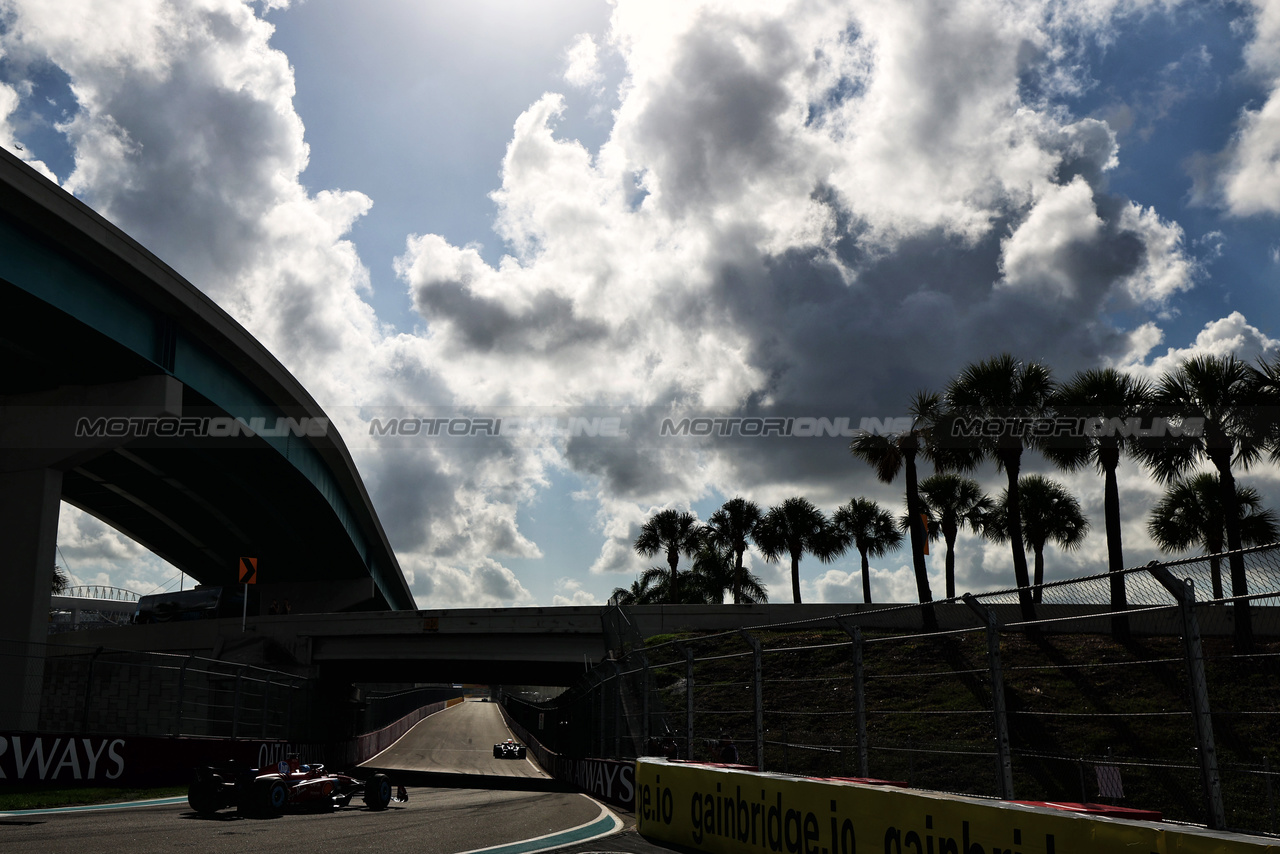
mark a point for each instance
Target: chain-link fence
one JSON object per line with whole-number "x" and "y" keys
{"x": 1042, "y": 694}
{"x": 96, "y": 690}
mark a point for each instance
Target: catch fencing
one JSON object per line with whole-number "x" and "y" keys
{"x": 1040, "y": 694}
{"x": 97, "y": 690}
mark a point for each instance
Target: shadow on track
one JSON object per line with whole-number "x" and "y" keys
{"x": 451, "y": 780}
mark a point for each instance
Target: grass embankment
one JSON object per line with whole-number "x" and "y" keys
{"x": 38, "y": 798}
{"x": 1074, "y": 701}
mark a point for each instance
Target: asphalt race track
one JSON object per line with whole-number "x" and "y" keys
{"x": 458, "y": 740}
{"x": 435, "y": 821}
{"x": 487, "y": 802}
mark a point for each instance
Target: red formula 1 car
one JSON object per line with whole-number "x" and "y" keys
{"x": 291, "y": 785}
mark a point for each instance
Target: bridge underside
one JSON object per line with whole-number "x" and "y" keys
{"x": 114, "y": 368}
{"x": 521, "y": 646}
{"x": 200, "y": 503}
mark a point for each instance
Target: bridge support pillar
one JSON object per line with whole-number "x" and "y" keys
{"x": 29, "y": 503}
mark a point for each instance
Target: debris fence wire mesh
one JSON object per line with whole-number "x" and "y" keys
{"x": 1098, "y": 703}
{"x": 95, "y": 690}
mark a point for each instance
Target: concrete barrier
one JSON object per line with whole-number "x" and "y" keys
{"x": 70, "y": 760}
{"x": 730, "y": 811}
{"x": 608, "y": 780}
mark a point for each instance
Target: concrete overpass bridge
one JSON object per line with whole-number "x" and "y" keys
{"x": 131, "y": 395}
{"x": 526, "y": 646}
{"x": 514, "y": 646}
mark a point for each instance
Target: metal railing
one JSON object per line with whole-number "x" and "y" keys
{"x": 1161, "y": 705}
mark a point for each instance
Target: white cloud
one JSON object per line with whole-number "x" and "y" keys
{"x": 793, "y": 197}
{"x": 1043, "y": 255}
{"x": 9, "y": 100}
{"x": 755, "y": 227}
{"x": 582, "y": 63}
{"x": 569, "y": 592}
{"x": 1231, "y": 335}
{"x": 186, "y": 136}
{"x": 1246, "y": 175}
{"x": 93, "y": 552}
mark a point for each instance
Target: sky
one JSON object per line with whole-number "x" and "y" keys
{"x": 631, "y": 211}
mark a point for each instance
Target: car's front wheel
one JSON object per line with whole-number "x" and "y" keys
{"x": 270, "y": 796}
{"x": 377, "y": 792}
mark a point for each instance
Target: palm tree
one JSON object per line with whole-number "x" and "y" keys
{"x": 1104, "y": 399}
{"x": 60, "y": 582}
{"x": 794, "y": 527}
{"x": 731, "y": 526}
{"x": 953, "y": 502}
{"x": 1007, "y": 394}
{"x": 1192, "y": 513}
{"x": 715, "y": 573}
{"x": 1220, "y": 395}
{"x": 1049, "y": 513}
{"x": 674, "y": 533}
{"x": 895, "y": 452}
{"x": 641, "y": 591}
{"x": 870, "y": 530}
{"x": 653, "y": 587}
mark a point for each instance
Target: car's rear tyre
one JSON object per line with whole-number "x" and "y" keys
{"x": 377, "y": 792}
{"x": 497, "y": 752}
{"x": 520, "y": 752}
{"x": 270, "y": 797}
{"x": 205, "y": 794}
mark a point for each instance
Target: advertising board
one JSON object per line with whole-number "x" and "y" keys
{"x": 725, "y": 810}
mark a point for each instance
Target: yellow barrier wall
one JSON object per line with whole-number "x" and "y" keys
{"x": 722, "y": 810}
{"x": 455, "y": 701}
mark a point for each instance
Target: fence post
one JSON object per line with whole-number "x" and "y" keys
{"x": 88, "y": 690}
{"x": 688, "y": 701}
{"x": 604, "y": 696}
{"x": 288, "y": 712}
{"x": 1185, "y": 594}
{"x": 182, "y": 690}
{"x": 644, "y": 702}
{"x": 859, "y": 696}
{"x": 757, "y": 679}
{"x": 617, "y": 709}
{"x": 1003, "y": 759}
{"x": 266, "y": 694}
{"x": 235, "y": 705}
{"x": 1271, "y": 796}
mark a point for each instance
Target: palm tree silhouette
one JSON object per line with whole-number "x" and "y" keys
{"x": 1009, "y": 394}
{"x": 1103, "y": 398}
{"x": 732, "y": 526}
{"x": 792, "y": 528}
{"x": 870, "y": 530}
{"x": 1049, "y": 513}
{"x": 642, "y": 591}
{"x": 674, "y": 533}
{"x": 1227, "y": 395}
{"x": 953, "y": 502}
{"x": 891, "y": 453}
{"x": 1192, "y": 513}
{"x": 716, "y": 573}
